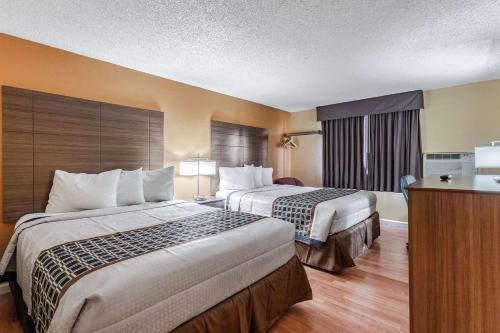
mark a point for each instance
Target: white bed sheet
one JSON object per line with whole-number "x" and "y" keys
{"x": 181, "y": 281}
{"x": 330, "y": 216}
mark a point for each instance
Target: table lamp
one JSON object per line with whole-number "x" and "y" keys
{"x": 197, "y": 166}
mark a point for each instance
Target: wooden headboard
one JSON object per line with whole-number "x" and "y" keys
{"x": 44, "y": 132}
{"x": 233, "y": 145}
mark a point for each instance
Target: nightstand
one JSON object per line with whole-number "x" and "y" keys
{"x": 212, "y": 202}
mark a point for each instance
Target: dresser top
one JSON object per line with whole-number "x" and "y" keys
{"x": 482, "y": 183}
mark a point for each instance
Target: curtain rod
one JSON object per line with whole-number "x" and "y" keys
{"x": 320, "y": 132}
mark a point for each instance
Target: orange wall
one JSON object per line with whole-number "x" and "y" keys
{"x": 187, "y": 109}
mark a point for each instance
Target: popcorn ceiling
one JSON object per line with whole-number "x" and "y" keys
{"x": 293, "y": 55}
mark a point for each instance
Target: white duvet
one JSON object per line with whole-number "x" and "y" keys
{"x": 329, "y": 217}
{"x": 155, "y": 292}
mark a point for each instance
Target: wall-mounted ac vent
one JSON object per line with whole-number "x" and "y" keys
{"x": 449, "y": 163}
{"x": 444, "y": 156}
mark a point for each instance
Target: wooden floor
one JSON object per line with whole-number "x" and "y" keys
{"x": 8, "y": 320}
{"x": 371, "y": 297}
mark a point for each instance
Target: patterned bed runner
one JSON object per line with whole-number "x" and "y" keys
{"x": 299, "y": 209}
{"x": 57, "y": 268}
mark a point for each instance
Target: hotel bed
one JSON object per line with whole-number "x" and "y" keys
{"x": 333, "y": 226}
{"x": 116, "y": 276}
{"x": 343, "y": 223}
{"x": 331, "y": 216}
{"x": 149, "y": 265}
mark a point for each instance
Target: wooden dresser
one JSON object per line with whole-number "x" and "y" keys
{"x": 454, "y": 245}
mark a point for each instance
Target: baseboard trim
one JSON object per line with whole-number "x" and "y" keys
{"x": 393, "y": 221}
{"x": 4, "y": 288}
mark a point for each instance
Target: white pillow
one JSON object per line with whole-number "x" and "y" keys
{"x": 158, "y": 184}
{"x": 130, "y": 189}
{"x": 257, "y": 175}
{"x": 73, "y": 192}
{"x": 235, "y": 178}
{"x": 267, "y": 176}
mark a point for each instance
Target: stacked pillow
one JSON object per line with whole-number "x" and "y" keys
{"x": 267, "y": 176}
{"x": 244, "y": 178}
{"x": 235, "y": 178}
{"x": 74, "y": 192}
{"x": 257, "y": 175}
{"x": 159, "y": 184}
{"x": 130, "y": 188}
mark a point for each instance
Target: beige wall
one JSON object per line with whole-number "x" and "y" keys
{"x": 392, "y": 206}
{"x": 459, "y": 118}
{"x": 188, "y": 110}
{"x": 455, "y": 119}
{"x": 307, "y": 158}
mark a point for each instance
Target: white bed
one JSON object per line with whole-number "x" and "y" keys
{"x": 135, "y": 295}
{"x": 330, "y": 217}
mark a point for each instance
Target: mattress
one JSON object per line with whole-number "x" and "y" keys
{"x": 330, "y": 216}
{"x": 135, "y": 294}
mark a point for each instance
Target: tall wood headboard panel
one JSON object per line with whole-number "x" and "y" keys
{"x": 44, "y": 132}
{"x": 233, "y": 145}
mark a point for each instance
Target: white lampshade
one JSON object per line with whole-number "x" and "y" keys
{"x": 190, "y": 168}
{"x": 487, "y": 157}
{"x": 207, "y": 167}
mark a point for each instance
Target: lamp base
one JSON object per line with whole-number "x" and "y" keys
{"x": 199, "y": 198}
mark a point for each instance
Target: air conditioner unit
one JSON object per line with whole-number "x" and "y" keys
{"x": 461, "y": 164}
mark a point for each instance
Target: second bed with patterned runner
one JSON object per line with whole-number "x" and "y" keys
{"x": 299, "y": 209}
{"x": 57, "y": 268}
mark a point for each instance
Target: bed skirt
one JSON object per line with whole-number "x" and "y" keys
{"x": 254, "y": 309}
{"x": 341, "y": 248}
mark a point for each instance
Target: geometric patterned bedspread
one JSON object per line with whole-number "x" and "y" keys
{"x": 57, "y": 268}
{"x": 299, "y": 209}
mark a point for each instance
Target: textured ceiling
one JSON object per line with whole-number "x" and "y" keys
{"x": 292, "y": 55}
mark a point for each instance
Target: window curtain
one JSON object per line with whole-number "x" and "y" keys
{"x": 395, "y": 149}
{"x": 343, "y": 153}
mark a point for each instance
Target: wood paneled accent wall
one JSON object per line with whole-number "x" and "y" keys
{"x": 43, "y": 132}
{"x": 233, "y": 145}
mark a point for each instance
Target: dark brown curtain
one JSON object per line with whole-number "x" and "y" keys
{"x": 343, "y": 153}
{"x": 410, "y": 100}
{"x": 395, "y": 149}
